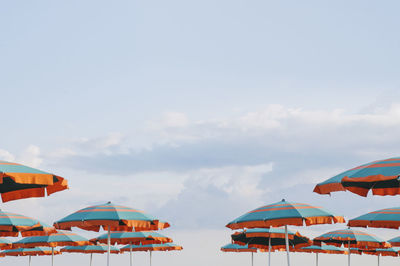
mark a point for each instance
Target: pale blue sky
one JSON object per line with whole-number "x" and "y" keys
{"x": 224, "y": 103}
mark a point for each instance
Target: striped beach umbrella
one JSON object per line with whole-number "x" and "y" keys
{"x": 393, "y": 252}
{"x": 326, "y": 249}
{"x": 152, "y": 247}
{"x": 89, "y": 249}
{"x": 53, "y": 240}
{"x": 129, "y": 238}
{"x": 239, "y": 248}
{"x": 385, "y": 218}
{"x": 37, "y": 251}
{"x": 382, "y": 177}
{"x": 110, "y": 217}
{"x": 270, "y": 239}
{"x": 352, "y": 239}
{"x": 135, "y": 238}
{"x": 12, "y": 224}
{"x": 18, "y": 181}
{"x": 284, "y": 213}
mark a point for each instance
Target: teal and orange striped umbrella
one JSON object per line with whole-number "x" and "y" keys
{"x": 123, "y": 238}
{"x": 129, "y": 238}
{"x": 270, "y": 239}
{"x": 385, "y": 218}
{"x": 352, "y": 239}
{"x": 90, "y": 249}
{"x": 112, "y": 218}
{"x": 239, "y": 248}
{"x": 284, "y": 213}
{"x": 38, "y": 251}
{"x": 18, "y": 181}
{"x": 326, "y": 249}
{"x": 152, "y": 247}
{"x": 12, "y": 224}
{"x": 382, "y": 177}
{"x": 52, "y": 240}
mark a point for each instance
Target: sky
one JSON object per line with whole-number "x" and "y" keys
{"x": 199, "y": 111}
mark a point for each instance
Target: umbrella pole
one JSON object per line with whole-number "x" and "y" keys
{"x": 269, "y": 251}
{"x": 108, "y": 245}
{"x": 252, "y": 259}
{"x": 91, "y": 258}
{"x": 348, "y": 258}
{"x": 287, "y": 245}
{"x": 150, "y": 257}
{"x": 316, "y": 258}
{"x": 30, "y": 257}
{"x": 130, "y": 252}
{"x": 52, "y": 256}
{"x": 378, "y": 259}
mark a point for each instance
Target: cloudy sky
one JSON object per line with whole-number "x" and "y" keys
{"x": 199, "y": 111}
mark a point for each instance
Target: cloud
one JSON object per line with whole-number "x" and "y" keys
{"x": 6, "y": 156}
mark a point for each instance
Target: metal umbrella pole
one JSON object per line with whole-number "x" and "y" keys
{"x": 30, "y": 257}
{"x": 287, "y": 245}
{"x": 52, "y": 256}
{"x": 108, "y": 245}
{"x": 269, "y": 251}
{"x": 130, "y": 252}
{"x": 252, "y": 259}
{"x": 316, "y": 258}
{"x": 378, "y": 259}
{"x": 91, "y": 258}
{"x": 150, "y": 257}
{"x": 348, "y": 259}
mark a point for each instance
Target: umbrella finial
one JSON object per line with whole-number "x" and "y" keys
{"x": 109, "y": 202}
{"x": 283, "y": 199}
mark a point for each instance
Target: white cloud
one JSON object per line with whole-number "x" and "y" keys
{"x": 31, "y": 156}
{"x": 6, "y": 156}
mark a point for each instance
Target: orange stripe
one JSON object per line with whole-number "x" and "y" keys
{"x": 377, "y": 165}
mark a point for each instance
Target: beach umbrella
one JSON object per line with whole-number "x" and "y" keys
{"x": 385, "y": 218}
{"x": 110, "y": 217}
{"x": 270, "y": 239}
{"x": 12, "y": 224}
{"x": 326, "y": 249}
{"x": 284, "y": 213}
{"x": 124, "y": 238}
{"x": 382, "y": 177}
{"x": 393, "y": 252}
{"x": 18, "y": 181}
{"x": 37, "y": 251}
{"x": 352, "y": 239}
{"x": 152, "y": 247}
{"x": 239, "y": 248}
{"x": 90, "y": 249}
{"x": 53, "y": 240}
